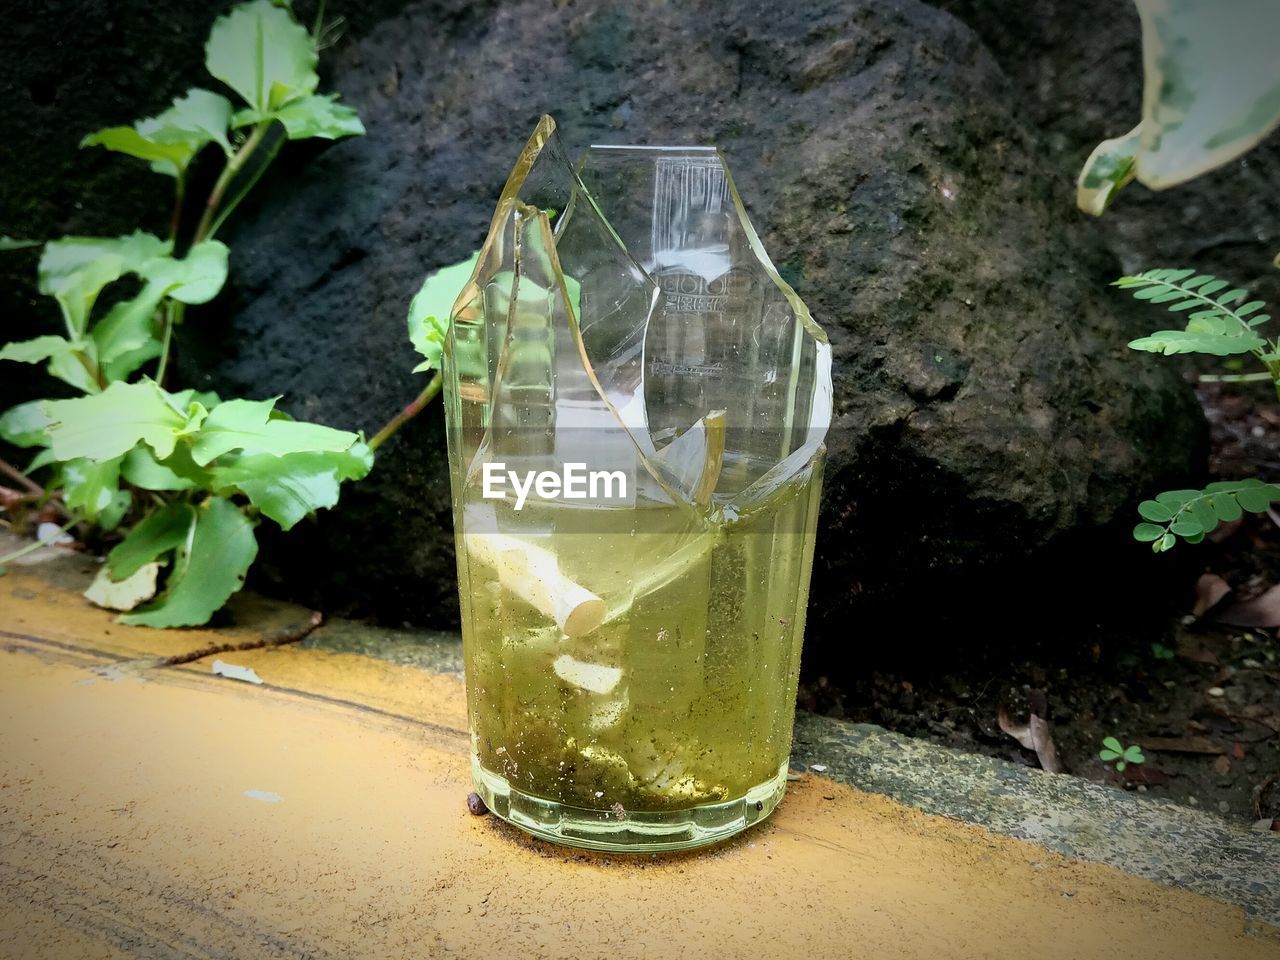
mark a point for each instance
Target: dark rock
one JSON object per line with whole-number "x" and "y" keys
{"x": 1079, "y": 69}
{"x": 987, "y": 409}
{"x": 986, "y": 405}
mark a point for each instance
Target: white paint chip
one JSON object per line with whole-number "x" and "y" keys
{"x": 233, "y": 672}
{"x": 266, "y": 796}
{"x": 820, "y": 767}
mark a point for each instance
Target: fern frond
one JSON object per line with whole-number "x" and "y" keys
{"x": 1190, "y": 514}
{"x": 1216, "y": 327}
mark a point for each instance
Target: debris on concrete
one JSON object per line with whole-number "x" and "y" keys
{"x": 266, "y": 796}
{"x": 232, "y": 672}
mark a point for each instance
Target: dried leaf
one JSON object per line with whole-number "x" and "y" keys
{"x": 1222, "y": 766}
{"x": 123, "y": 594}
{"x": 1210, "y": 589}
{"x": 1042, "y": 740}
{"x": 1033, "y": 735}
{"x": 1020, "y": 732}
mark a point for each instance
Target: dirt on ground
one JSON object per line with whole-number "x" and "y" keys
{"x": 1201, "y": 698}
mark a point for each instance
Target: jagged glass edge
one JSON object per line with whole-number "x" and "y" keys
{"x": 509, "y": 205}
{"x": 822, "y": 407}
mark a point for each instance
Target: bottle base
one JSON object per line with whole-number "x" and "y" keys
{"x": 624, "y": 831}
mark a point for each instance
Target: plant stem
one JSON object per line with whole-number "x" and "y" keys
{"x": 74, "y": 336}
{"x": 234, "y": 165}
{"x": 37, "y": 544}
{"x": 179, "y": 193}
{"x": 272, "y": 146}
{"x": 1236, "y": 377}
{"x": 95, "y": 371}
{"x": 173, "y": 311}
{"x": 408, "y": 413}
{"x": 20, "y": 478}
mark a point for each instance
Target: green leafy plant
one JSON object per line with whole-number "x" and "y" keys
{"x": 1211, "y": 92}
{"x": 188, "y": 474}
{"x": 1221, "y": 321}
{"x": 1121, "y": 755}
{"x": 428, "y": 323}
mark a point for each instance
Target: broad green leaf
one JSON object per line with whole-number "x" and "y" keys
{"x": 196, "y": 278}
{"x": 1189, "y": 527}
{"x": 263, "y": 54}
{"x": 1257, "y": 499}
{"x": 1111, "y": 743}
{"x": 126, "y": 336}
{"x": 36, "y": 350}
{"x": 127, "y": 363}
{"x": 1165, "y": 543}
{"x": 1211, "y": 91}
{"x": 24, "y": 425}
{"x": 44, "y": 458}
{"x": 109, "y": 424}
{"x": 1202, "y": 512}
{"x": 156, "y": 534}
{"x": 199, "y": 117}
{"x": 431, "y": 307}
{"x": 11, "y": 243}
{"x": 182, "y": 399}
{"x": 109, "y": 517}
{"x": 248, "y": 425}
{"x": 288, "y": 488}
{"x": 1153, "y": 510}
{"x": 73, "y": 270}
{"x": 1170, "y": 342}
{"x": 142, "y": 469}
{"x": 172, "y": 139}
{"x": 128, "y": 326}
{"x": 316, "y": 115}
{"x": 1109, "y": 167}
{"x": 1176, "y": 498}
{"x": 1147, "y": 532}
{"x": 208, "y": 568}
{"x": 1225, "y": 508}
{"x": 167, "y": 158}
{"x": 64, "y": 359}
{"x": 124, "y": 594}
{"x": 89, "y": 487}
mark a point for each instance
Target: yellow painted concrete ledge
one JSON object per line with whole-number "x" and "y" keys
{"x": 164, "y": 812}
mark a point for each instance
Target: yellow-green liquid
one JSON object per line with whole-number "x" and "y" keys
{"x": 684, "y": 696}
